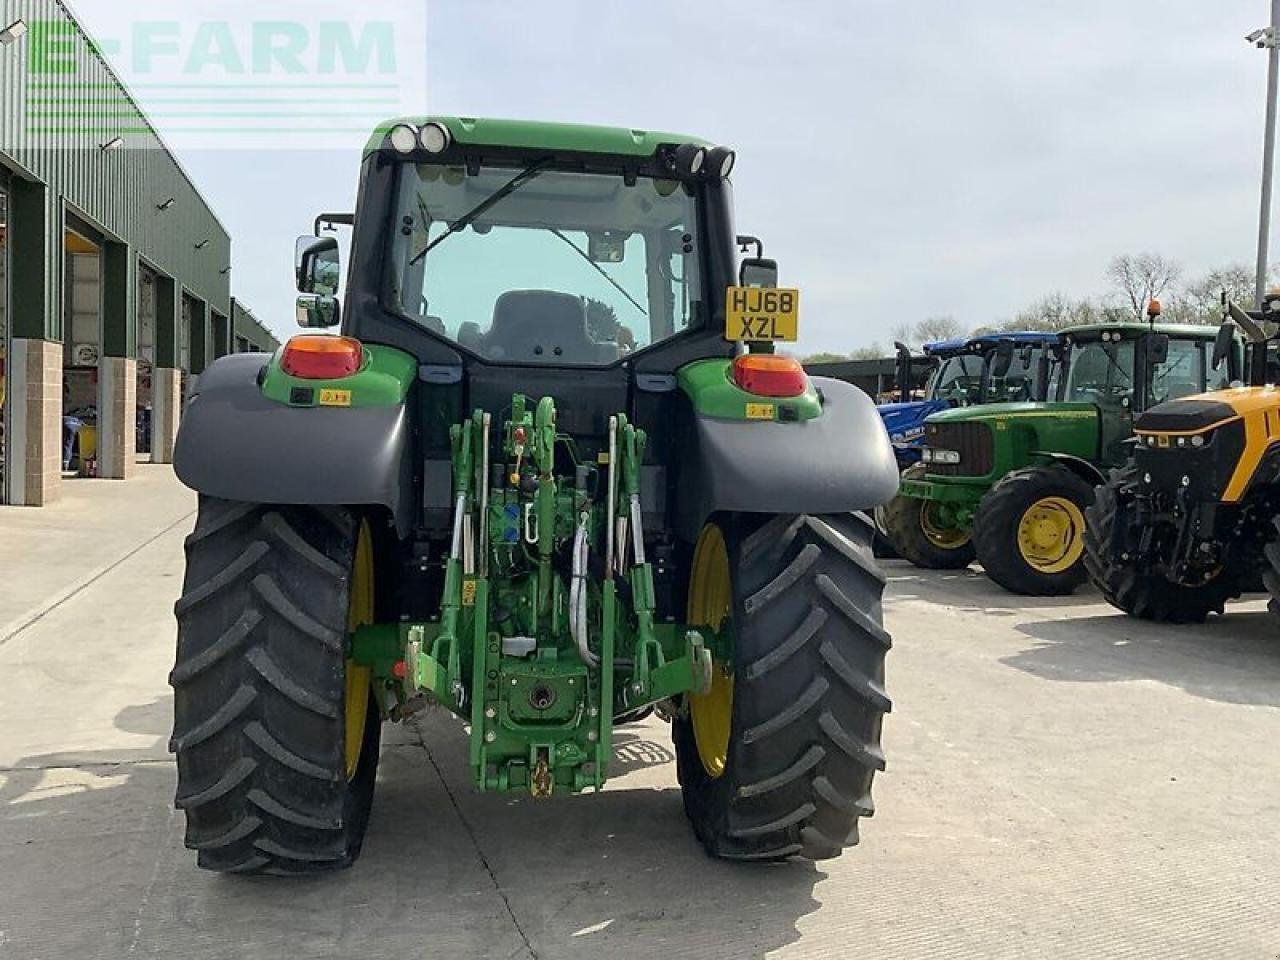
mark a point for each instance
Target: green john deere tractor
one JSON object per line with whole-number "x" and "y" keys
{"x": 551, "y": 478}
{"x": 1009, "y": 483}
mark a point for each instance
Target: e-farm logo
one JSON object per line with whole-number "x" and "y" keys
{"x": 226, "y": 74}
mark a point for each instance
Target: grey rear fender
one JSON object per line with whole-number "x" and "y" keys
{"x": 838, "y": 462}
{"x": 236, "y": 444}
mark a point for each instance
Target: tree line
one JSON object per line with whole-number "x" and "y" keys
{"x": 1133, "y": 281}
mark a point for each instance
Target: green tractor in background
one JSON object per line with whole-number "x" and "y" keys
{"x": 551, "y": 478}
{"x": 1008, "y": 484}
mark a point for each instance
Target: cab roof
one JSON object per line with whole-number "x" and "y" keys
{"x": 1184, "y": 331}
{"x": 1025, "y": 336}
{"x": 530, "y": 134}
{"x": 958, "y": 344}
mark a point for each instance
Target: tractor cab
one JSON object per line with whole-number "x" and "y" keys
{"x": 991, "y": 368}
{"x": 1123, "y": 369}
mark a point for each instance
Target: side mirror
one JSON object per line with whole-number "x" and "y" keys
{"x": 1003, "y": 359}
{"x": 1224, "y": 344}
{"x": 758, "y": 272}
{"x": 1157, "y": 348}
{"x": 607, "y": 246}
{"x": 316, "y": 265}
{"x": 318, "y": 310}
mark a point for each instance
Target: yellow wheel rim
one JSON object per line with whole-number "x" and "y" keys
{"x": 947, "y": 538}
{"x": 1050, "y": 534}
{"x": 710, "y": 602}
{"x": 358, "y": 678}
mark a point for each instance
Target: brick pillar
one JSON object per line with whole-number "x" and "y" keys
{"x": 35, "y": 390}
{"x": 166, "y": 406}
{"x": 117, "y": 417}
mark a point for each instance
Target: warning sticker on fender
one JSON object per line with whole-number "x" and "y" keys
{"x": 335, "y": 398}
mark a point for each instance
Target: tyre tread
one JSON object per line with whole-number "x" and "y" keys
{"x": 804, "y": 743}
{"x": 258, "y": 691}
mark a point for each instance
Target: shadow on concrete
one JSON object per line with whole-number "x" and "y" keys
{"x": 1232, "y": 659}
{"x": 445, "y": 871}
{"x": 636, "y": 751}
{"x": 972, "y": 591}
{"x": 151, "y": 719}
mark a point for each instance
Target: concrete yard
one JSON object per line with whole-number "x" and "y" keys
{"x": 1063, "y": 782}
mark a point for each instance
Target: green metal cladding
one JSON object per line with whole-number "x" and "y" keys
{"x": 116, "y": 191}
{"x": 247, "y": 327}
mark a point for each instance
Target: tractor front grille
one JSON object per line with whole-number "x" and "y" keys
{"x": 973, "y": 441}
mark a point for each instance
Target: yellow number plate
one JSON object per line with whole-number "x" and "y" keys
{"x": 759, "y": 411}
{"x": 335, "y": 398}
{"x": 761, "y": 314}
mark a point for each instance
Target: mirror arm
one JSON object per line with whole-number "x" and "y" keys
{"x": 746, "y": 241}
{"x": 334, "y": 220}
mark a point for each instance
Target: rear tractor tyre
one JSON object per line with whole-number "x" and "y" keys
{"x": 881, "y": 545}
{"x": 777, "y": 759}
{"x": 276, "y": 732}
{"x": 916, "y": 533}
{"x": 1139, "y": 593}
{"x": 1029, "y": 531}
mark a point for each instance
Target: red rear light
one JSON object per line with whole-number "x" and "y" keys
{"x": 769, "y": 375}
{"x": 318, "y": 357}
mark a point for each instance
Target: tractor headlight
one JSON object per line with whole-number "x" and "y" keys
{"x": 689, "y": 159}
{"x": 720, "y": 162}
{"x": 404, "y": 139}
{"x": 434, "y": 137}
{"x": 1197, "y": 440}
{"x": 938, "y": 455}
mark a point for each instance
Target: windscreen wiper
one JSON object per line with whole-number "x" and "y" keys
{"x": 484, "y": 206}
{"x": 600, "y": 270}
{"x": 1110, "y": 353}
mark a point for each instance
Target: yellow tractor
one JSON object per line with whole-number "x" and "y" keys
{"x": 1193, "y": 518}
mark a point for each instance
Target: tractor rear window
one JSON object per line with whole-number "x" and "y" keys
{"x": 545, "y": 266}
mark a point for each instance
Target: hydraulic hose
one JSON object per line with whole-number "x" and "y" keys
{"x": 578, "y": 616}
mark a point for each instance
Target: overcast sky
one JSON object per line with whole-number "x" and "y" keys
{"x": 900, "y": 158}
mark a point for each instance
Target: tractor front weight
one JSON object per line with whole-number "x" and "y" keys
{"x": 546, "y": 631}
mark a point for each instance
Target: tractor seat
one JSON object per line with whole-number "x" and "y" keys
{"x": 542, "y": 326}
